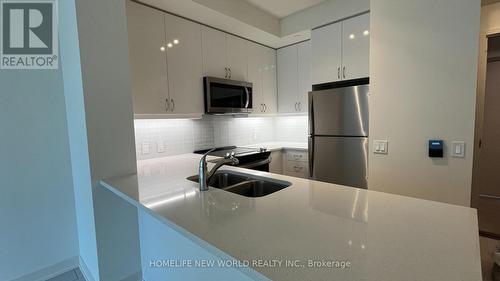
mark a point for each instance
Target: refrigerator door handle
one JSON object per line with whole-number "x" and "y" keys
{"x": 311, "y": 114}
{"x": 311, "y": 156}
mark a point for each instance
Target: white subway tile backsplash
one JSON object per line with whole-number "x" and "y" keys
{"x": 178, "y": 136}
{"x": 291, "y": 128}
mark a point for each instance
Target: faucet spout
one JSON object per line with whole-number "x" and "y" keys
{"x": 205, "y": 176}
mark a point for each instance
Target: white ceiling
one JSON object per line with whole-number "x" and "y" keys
{"x": 283, "y": 8}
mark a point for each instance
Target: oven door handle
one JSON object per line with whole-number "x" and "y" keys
{"x": 248, "y": 97}
{"x": 256, "y": 163}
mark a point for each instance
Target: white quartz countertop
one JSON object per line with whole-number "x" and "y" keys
{"x": 384, "y": 237}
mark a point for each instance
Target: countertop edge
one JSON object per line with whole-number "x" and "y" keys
{"x": 250, "y": 272}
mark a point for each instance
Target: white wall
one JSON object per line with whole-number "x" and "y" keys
{"x": 77, "y": 131}
{"x": 327, "y": 12}
{"x": 423, "y": 83}
{"x": 37, "y": 207}
{"x": 103, "y": 42}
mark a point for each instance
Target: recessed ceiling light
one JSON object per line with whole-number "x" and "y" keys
{"x": 162, "y": 49}
{"x": 366, "y": 33}
{"x": 176, "y": 41}
{"x": 170, "y": 45}
{"x": 352, "y": 36}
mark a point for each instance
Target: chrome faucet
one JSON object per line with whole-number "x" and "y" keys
{"x": 204, "y": 176}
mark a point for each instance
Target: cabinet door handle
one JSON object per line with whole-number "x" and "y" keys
{"x": 296, "y": 104}
{"x": 300, "y": 106}
{"x": 167, "y": 105}
{"x": 338, "y": 72}
{"x": 173, "y": 104}
{"x": 225, "y": 69}
{"x": 261, "y": 107}
{"x": 265, "y": 107}
{"x": 343, "y": 72}
{"x": 229, "y": 73}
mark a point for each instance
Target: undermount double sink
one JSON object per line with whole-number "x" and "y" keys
{"x": 244, "y": 184}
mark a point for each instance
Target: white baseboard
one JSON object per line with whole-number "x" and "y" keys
{"x": 51, "y": 271}
{"x": 88, "y": 276}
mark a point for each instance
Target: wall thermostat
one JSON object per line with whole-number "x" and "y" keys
{"x": 436, "y": 148}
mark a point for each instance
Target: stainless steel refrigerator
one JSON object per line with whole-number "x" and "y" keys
{"x": 338, "y": 135}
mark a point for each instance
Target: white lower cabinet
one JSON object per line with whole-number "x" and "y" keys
{"x": 276, "y": 165}
{"x": 292, "y": 163}
{"x": 296, "y": 164}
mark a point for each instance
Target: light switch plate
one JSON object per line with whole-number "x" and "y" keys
{"x": 458, "y": 149}
{"x": 145, "y": 148}
{"x": 160, "y": 147}
{"x": 380, "y": 147}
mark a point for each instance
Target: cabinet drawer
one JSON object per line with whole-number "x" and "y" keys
{"x": 297, "y": 175}
{"x": 296, "y": 155}
{"x": 297, "y": 167}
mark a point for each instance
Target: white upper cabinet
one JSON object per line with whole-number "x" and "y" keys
{"x": 327, "y": 53}
{"x": 214, "y": 53}
{"x": 224, "y": 55}
{"x": 236, "y": 57}
{"x": 170, "y": 55}
{"x": 148, "y": 59}
{"x": 341, "y": 51}
{"x": 288, "y": 79}
{"x": 356, "y": 47}
{"x": 255, "y": 73}
{"x": 294, "y": 77}
{"x": 262, "y": 74}
{"x": 269, "y": 87}
{"x": 304, "y": 66}
{"x": 184, "y": 61}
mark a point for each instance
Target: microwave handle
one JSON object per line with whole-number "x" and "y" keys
{"x": 248, "y": 97}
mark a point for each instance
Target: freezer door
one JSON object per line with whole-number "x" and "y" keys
{"x": 339, "y": 112}
{"x": 339, "y": 160}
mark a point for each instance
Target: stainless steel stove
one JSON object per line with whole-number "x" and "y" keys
{"x": 249, "y": 158}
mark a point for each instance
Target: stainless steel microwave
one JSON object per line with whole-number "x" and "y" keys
{"x": 224, "y": 96}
